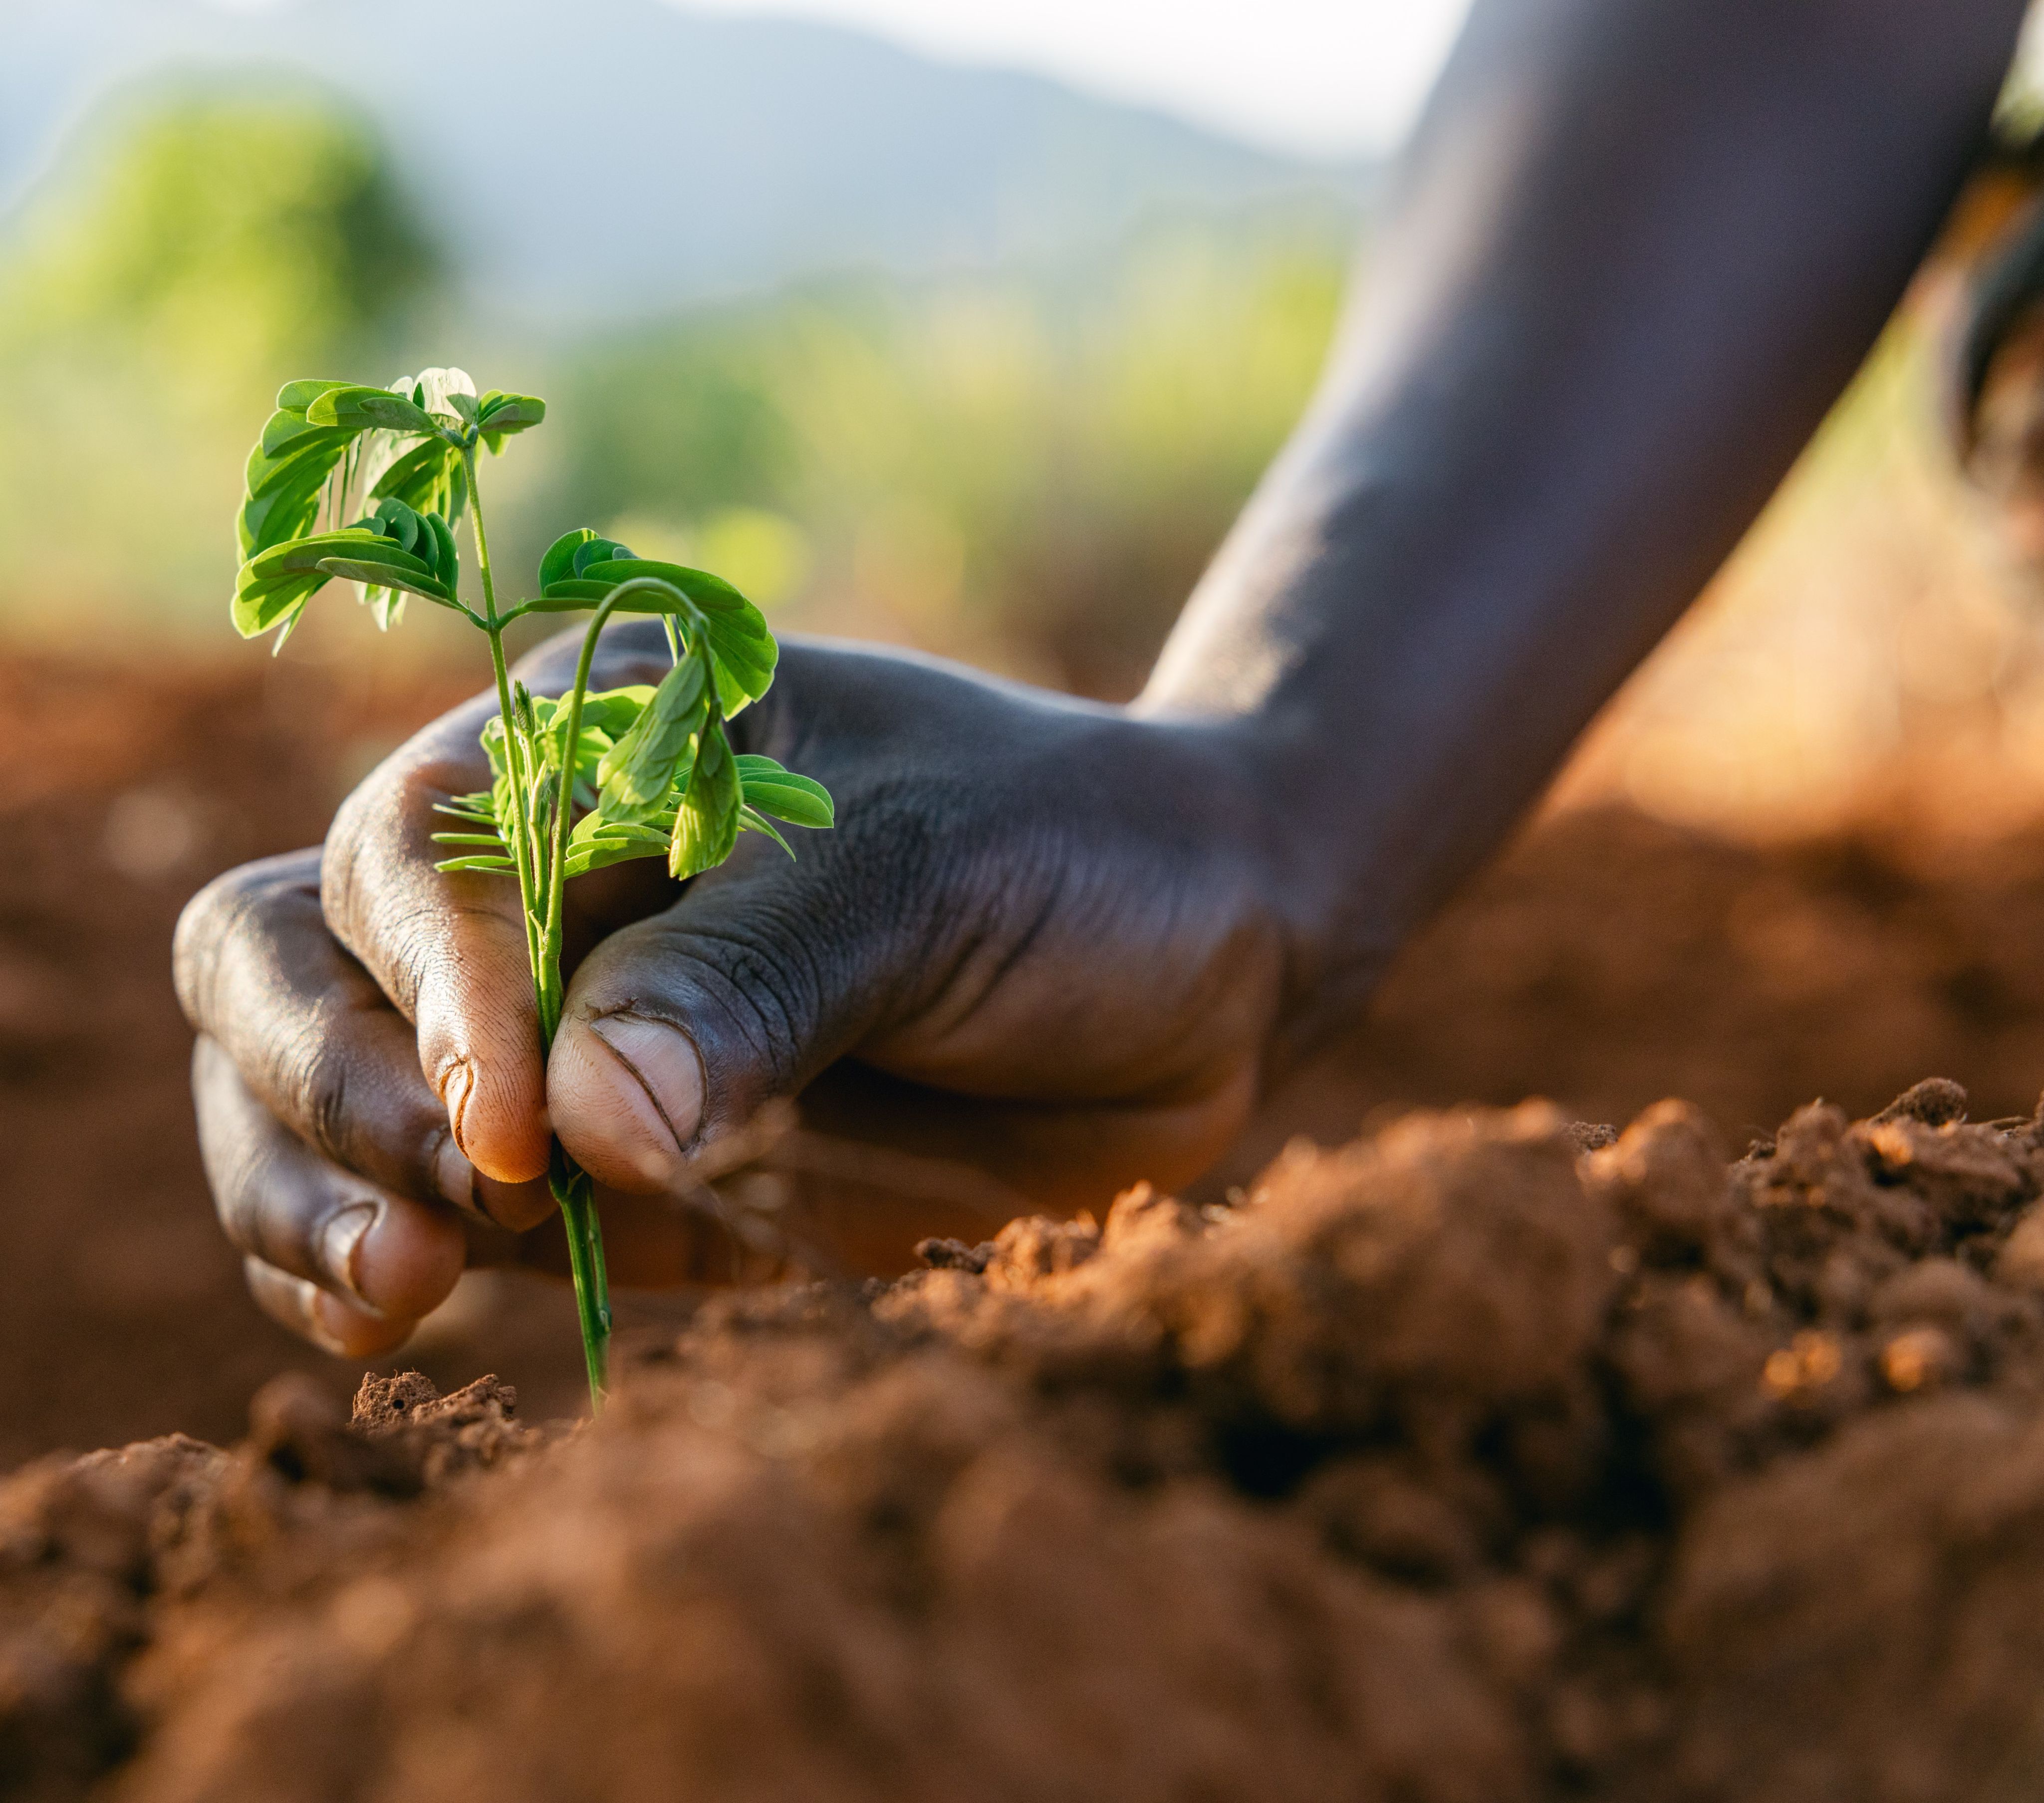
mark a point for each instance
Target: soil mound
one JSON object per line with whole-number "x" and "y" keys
{"x": 1489, "y": 1457}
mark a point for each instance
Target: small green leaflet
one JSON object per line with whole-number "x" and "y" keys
{"x": 597, "y": 843}
{"x": 360, "y": 408}
{"x": 639, "y": 773}
{"x": 706, "y": 821}
{"x": 557, "y": 565}
{"x": 801, "y": 801}
{"x": 499, "y": 415}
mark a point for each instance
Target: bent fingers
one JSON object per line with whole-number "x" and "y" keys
{"x": 349, "y": 1265}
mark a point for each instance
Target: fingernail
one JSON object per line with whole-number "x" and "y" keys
{"x": 340, "y": 1244}
{"x": 326, "y": 1320}
{"x": 453, "y": 1176}
{"x": 457, "y": 1082}
{"x": 344, "y": 1329}
{"x": 666, "y": 1092}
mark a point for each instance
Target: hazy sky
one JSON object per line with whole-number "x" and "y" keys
{"x": 1321, "y": 76}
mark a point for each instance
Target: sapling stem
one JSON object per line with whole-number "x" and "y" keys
{"x": 513, "y": 752}
{"x": 543, "y": 911}
{"x": 665, "y": 781}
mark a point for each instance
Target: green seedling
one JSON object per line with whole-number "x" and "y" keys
{"x": 366, "y": 485}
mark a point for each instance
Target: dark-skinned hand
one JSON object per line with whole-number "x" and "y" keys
{"x": 1632, "y": 254}
{"x": 1045, "y": 943}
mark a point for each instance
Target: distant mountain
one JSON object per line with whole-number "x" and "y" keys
{"x": 631, "y": 155}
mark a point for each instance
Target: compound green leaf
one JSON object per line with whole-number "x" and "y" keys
{"x": 742, "y": 653}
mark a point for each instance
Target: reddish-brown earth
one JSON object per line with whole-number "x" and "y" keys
{"x": 1483, "y": 1459}
{"x": 1461, "y": 1462}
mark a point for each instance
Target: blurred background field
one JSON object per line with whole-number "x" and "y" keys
{"x": 914, "y": 348}
{"x": 952, "y": 356}
{"x": 945, "y": 356}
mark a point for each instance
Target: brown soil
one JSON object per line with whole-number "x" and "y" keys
{"x": 1462, "y": 1462}
{"x": 1444, "y": 1465}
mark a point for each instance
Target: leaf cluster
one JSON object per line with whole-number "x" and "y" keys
{"x": 400, "y": 455}
{"x": 653, "y": 770}
{"x": 650, "y": 772}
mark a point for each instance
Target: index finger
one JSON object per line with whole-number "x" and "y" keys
{"x": 448, "y": 947}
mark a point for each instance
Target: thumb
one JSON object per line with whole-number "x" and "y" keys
{"x": 678, "y": 1028}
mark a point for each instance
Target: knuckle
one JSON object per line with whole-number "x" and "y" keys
{"x": 325, "y": 1094}
{"x": 250, "y": 902}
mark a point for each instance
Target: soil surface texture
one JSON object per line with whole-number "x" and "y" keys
{"x": 1491, "y": 1456}
{"x": 1486, "y": 1456}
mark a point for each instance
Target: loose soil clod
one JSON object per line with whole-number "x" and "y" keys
{"x": 1462, "y": 1462}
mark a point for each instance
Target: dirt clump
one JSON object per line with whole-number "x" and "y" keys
{"x": 1486, "y": 1458}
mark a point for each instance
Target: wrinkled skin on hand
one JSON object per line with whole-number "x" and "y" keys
{"x": 1046, "y": 941}
{"x": 1632, "y": 256}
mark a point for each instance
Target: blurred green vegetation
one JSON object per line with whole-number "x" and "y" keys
{"x": 1029, "y": 473}
{"x": 149, "y": 298}
{"x": 1025, "y": 468}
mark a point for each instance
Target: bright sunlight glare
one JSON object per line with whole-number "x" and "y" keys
{"x": 1324, "y": 78}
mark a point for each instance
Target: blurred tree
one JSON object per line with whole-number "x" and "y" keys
{"x": 222, "y": 241}
{"x": 192, "y": 251}
{"x": 1026, "y": 470}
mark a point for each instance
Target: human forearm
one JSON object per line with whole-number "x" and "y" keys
{"x": 1637, "y": 252}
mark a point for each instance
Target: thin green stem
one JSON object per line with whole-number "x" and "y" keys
{"x": 573, "y": 1192}
{"x": 513, "y": 747}
{"x": 556, "y": 878}
{"x": 575, "y": 1195}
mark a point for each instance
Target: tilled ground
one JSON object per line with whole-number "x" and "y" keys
{"x": 1476, "y": 1458}
{"x": 1491, "y": 1456}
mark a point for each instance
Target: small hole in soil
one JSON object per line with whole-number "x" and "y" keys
{"x": 1263, "y": 1459}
